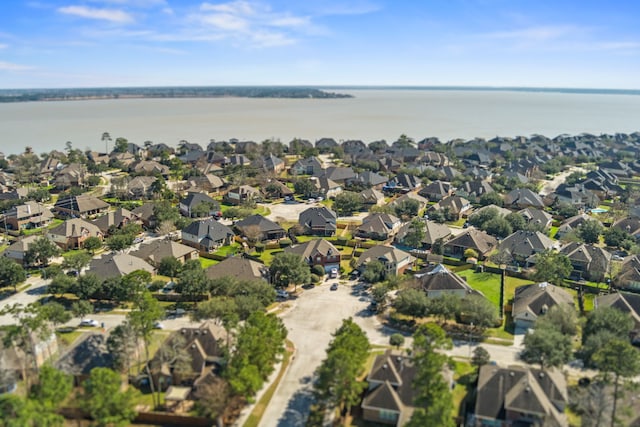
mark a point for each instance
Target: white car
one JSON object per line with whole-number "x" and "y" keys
{"x": 89, "y": 322}
{"x": 158, "y": 325}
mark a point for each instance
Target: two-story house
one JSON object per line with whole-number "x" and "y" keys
{"x": 317, "y": 252}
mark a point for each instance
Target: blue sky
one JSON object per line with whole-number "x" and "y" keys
{"x": 88, "y": 43}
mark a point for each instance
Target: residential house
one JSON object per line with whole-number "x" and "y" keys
{"x": 371, "y": 179}
{"x": 72, "y": 233}
{"x": 207, "y": 183}
{"x": 239, "y": 160}
{"x": 244, "y": 147}
{"x": 160, "y": 149}
{"x": 205, "y": 354}
{"x": 149, "y": 167}
{"x": 576, "y": 195}
{"x": 194, "y": 157}
{"x": 523, "y": 198}
{"x": 537, "y": 217}
{"x": 17, "y": 250}
{"x": 523, "y": 245}
{"x": 573, "y": 223}
{"x": 436, "y": 190}
{"x": 625, "y": 302}
{"x": 338, "y": 174}
{"x": 502, "y": 212}
{"x": 476, "y": 188}
{"x": 434, "y": 159}
{"x": 114, "y": 220}
{"x": 477, "y": 240}
{"x": 146, "y": 215}
{"x": 325, "y": 145}
{"x": 117, "y": 265}
{"x": 395, "y": 261}
{"x": 532, "y": 301}
{"x": 207, "y": 235}
{"x": 140, "y": 187}
{"x": 317, "y": 252}
{"x": 242, "y": 194}
{"x": 239, "y": 268}
{"x": 402, "y": 183}
{"x": 73, "y": 175}
{"x": 372, "y": 197}
{"x": 16, "y": 193}
{"x": 309, "y": 166}
{"x": 257, "y": 226}
{"x": 90, "y": 353}
{"x": 29, "y": 215}
{"x": 275, "y": 189}
{"x": 627, "y": 278}
{"x": 589, "y": 261}
{"x": 270, "y": 164}
{"x": 520, "y": 396}
{"x": 81, "y": 206}
{"x": 156, "y": 250}
{"x": 318, "y": 221}
{"x": 121, "y": 160}
{"x": 186, "y": 146}
{"x": 438, "y": 280}
{"x": 326, "y": 187}
{"x": 197, "y": 205}
{"x": 422, "y": 202}
{"x": 378, "y": 226}
{"x": 390, "y": 392}
{"x": 630, "y": 225}
{"x": 432, "y": 232}
{"x": 457, "y": 206}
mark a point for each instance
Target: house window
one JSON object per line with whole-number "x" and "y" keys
{"x": 387, "y": 415}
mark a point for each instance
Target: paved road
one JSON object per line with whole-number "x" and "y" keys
{"x": 310, "y": 321}
{"x": 36, "y": 290}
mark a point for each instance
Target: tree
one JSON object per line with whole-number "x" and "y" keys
{"x": 81, "y": 308}
{"x": 374, "y": 272}
{"x": 76, "y": 261}
{"x": 120, "y": 242}
{"x": 337, "y": 382}
{"x": 470, "y": 253}
{"x": 446, "y": 306}
{"x": 287, "y": 268}
{"x": 561, "y": 317}
{"x": 86, "y": 286}
{"x": 11, "y": 273}
{"x": 621, "y": 359}
{"x": 52, "y": 388}
{"x": 259, "y": 343}
{"x": 346, "y": 203}
{"x": 305, "y": 187}
{"x": 169, "y": 266}
{"x": 546, "y": 346}
{"x": 479, "y": 311}
{"x": 192, "y": 280}
{"x": 41, "y": 251}
{"x": 516, "y": 221}
{"x": 60, "y": 284}
{"x": 590, "y": 231}
{"x": 142, "y": 318}
{"x": 602, "y": 326}
{"x": 122, "y": 344}
{"x": 485, "y": 215}
{"x": 614, "y": 236}
{"x": 480, "y": 357}
{"x": 415, "y": 234}
{"x": 432, "y": 398}
{"x": 396, "y": 340}
{"x": 407, "y": 209}
{"x": 92, "y": 244}
{"x": 105, "y": 402}
{"x": 498, "y": 226}
{"x": 492, "y": 198}
{"x": 212, "y": 398}
{"x": 438, "y": 247}
{"x": 551, "y": 267}
{"x": 412, "y": 302}
{"x": 55, "y": 313}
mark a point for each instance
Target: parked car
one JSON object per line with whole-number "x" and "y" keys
{"x": 333, "y": 273}
{"x": 334, "y": 287}
{"x": 89, "y": 322}
{"x": 282, "y": 294}
{"x": 158, "y": 325}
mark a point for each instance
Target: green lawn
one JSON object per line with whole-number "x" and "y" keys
{"x": 206, "y": 262}
{"x": 231, "y": 249}
{"x": 463, "y": 376}
{"x": 487, "y": 283}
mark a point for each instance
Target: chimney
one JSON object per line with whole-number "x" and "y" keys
{"x": 73, "y": 229}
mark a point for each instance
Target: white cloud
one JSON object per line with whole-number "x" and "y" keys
{"x": 253, "y": 23}
{"x": 9, "y": 66}
{"x": 134, "y": 3}
{"x": 111, "y": 15}
{"x": 3, "y": 46}
{"x": 535, "y": 34}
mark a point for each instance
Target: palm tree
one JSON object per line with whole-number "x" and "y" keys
{"x": 106, "y": 138}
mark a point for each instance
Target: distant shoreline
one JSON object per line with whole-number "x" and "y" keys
{"x": 80, "y": 94}
{"x": 285, "y": 92}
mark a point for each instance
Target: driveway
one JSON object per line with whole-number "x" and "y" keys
{"x": 310, "y": 321}
{"x": 286, "y": 211}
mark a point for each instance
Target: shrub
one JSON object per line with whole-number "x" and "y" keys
{"x": 341, "y": 241}
{"x": 259, "y": 247}
{"x": 156, "y": 285}
{"x": 315, "y": 278}
{"x": 284, "y": 243}
{"x": 318, "y": 270}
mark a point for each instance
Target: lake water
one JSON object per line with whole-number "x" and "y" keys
{"x": 370, "y": 115}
